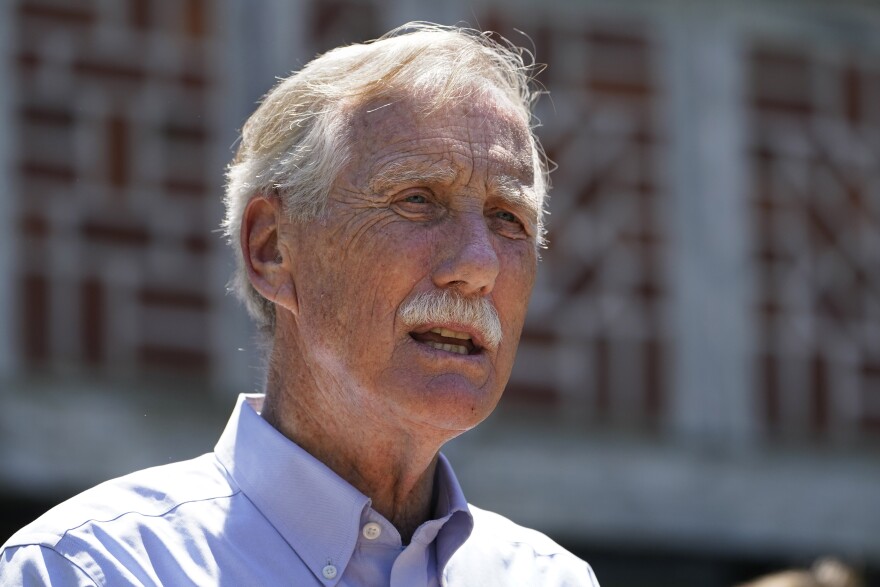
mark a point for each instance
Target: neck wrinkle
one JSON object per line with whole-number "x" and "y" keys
{"x": 395, "y": 469}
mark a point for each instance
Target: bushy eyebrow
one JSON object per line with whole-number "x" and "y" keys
{"x": 401, "y": 173}
{"x": 512, "y": 191}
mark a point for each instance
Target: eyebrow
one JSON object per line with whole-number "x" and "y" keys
{"x": 405, "y": 172}
{"x": 511, "y": 191}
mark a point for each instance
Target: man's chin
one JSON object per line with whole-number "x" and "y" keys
{"x": 452, "y": 390}
{"x": 454, "y": 401}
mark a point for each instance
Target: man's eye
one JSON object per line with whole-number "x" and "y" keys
{"x": 508, "y": 224}
{"x": 506, "y": 216}
{"x": 417, "y": 205}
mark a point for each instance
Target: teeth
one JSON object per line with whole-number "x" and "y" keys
{"x": 452, "y": 348}
{"x": 451, "y": 333}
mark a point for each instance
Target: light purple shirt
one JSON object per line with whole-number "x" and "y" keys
{"x": 262, "y": 511}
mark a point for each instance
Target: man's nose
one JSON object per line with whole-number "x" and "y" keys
{"x": 468, "y": 261}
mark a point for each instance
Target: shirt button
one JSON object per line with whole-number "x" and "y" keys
{"x": 329, "y": 572}
{"x": 371, "y": 530}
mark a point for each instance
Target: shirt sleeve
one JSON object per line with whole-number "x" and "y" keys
{"x": 34, "y": 565}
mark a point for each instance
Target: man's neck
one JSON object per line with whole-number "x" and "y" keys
{"x": 393, "y": 468}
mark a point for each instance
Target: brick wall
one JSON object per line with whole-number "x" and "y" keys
{"x": 117, "y": 190}
{"x": 815, "y": 115}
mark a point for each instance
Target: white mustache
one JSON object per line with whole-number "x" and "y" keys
{"x": 448, "y": 305}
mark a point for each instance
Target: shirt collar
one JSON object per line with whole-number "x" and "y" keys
{"x": 317, "y": 512}
{"x": 451, "y": 507}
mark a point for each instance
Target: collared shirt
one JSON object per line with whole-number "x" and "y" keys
{"x": 262, "y": 511}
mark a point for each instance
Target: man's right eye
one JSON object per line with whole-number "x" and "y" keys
{"x": 418, "y": 204}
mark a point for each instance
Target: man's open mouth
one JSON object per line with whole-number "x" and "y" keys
{"x": 447, "y": 340}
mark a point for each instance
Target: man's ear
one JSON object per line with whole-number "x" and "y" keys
{"x": 266, "y": 257}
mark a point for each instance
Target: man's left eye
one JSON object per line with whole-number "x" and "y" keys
{"x": 508, "y": 224}
{"x": 506, "y": 216}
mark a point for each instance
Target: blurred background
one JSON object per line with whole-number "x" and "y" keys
{"x": 697, "y": 394}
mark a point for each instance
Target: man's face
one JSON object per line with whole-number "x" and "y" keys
{"x": 426, "y": 203}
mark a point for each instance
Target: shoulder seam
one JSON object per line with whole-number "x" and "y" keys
{"x": 158, "y": 515}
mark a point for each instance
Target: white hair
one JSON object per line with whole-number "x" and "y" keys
{"x": 448, "y": 305}
{"x": 295, "y": 143}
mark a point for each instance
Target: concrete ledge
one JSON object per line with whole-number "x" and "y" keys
{"x": 56, "y": 438}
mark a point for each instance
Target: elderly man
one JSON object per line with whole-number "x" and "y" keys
{"x": 385, "y": 206}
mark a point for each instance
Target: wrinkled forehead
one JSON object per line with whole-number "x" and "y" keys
{"x": 384, "y": 127}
